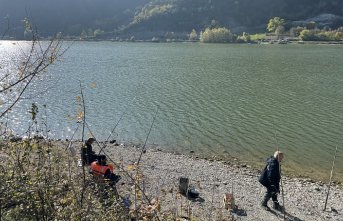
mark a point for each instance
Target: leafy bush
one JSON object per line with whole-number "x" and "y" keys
{"x": 193, "y": 35}
{"x": 244, "y": 38}
{"x": 275, "y": 23}
{"x": 320, "y": 35}
{"x": 216, "y": 35}
{"x": 295, "y": 31}
{"x": 257, "y": 37}
{"x": 42, "y": 182}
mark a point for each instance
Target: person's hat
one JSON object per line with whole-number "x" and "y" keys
{"x": 91, "y": 139}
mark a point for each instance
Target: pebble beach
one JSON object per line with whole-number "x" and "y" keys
{"x": 304, "y": 199}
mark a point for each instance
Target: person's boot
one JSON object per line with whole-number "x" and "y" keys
{"x": 277, "y": 206}
{"x": 264, "y": 204}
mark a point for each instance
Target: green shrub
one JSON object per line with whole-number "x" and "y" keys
{"x": 216, "y": 35}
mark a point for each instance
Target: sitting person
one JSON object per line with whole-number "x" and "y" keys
{"x": 101, "y": 168}
{"x": 102, "y": 160}
{"x": 90, "y": 155}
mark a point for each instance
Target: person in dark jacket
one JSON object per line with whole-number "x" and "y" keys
{"x": 271, "y": 180}
{"x": 90, "y": 154}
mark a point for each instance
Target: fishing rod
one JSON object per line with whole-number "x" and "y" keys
{"x": 139, "y": 159}
{"x": 121, "y": 117}
{"x": 281, "y": 184}
{"x": 70, "y": 145}
{"x": 72, "y": 137}
{"x": 333, "y": 165}
{"x": 143, "y": 148}
{"x": 117, "y": 165}
{"x": 109, "y": 136}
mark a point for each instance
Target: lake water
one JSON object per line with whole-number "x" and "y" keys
{"x": 222, "y": 100}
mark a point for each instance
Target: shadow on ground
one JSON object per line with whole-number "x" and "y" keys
{"x": 288, "y": 217}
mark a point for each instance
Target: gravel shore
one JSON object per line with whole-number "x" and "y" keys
{"x": 304, "y": 199}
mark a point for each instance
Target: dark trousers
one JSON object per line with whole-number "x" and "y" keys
{"x": 271, "y": 193}
{"x": 91, "y": 157}
{"x": 87, "y": 158}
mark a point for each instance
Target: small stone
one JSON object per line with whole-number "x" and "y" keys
{"x": 334, "y": 210}
{"x": 15, "y": 139}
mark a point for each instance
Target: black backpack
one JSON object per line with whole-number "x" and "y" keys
{"x": 263, "y": 179}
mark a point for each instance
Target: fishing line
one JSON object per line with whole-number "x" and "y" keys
{"x": 333, "y": 166}
{"x": 105, "y": 144}
{"x": 118, "y": 166}
{"x": 71, "y": 139}
{"x": 144, "y": 148}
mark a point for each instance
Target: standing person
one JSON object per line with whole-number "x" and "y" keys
{"x": 270, "y": 178}
{"x": 90, "y": 154}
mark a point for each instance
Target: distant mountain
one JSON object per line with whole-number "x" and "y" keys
{"x": 68, "y": 16}
{"x": 155, "y": 18}
{"x": 251, "y": 16}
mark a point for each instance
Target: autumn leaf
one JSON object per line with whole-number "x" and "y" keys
{"x": 130, "y": 167}
{"x": 79, "y": 115}
{"x": 93, "y": 85}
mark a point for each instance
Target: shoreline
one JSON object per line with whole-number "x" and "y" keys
{"x": 267, "y": 42}
{"x": 235, "y": 161}
{"x": 159, "y": 177}
{"x": 304, "y": 198}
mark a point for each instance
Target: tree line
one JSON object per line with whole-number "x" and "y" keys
{"x": 275, "y": 26}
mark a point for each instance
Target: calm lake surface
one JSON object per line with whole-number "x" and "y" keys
{"x": 215, "y": 99}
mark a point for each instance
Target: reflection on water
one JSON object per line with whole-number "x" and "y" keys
{"x": 228, "y": 100}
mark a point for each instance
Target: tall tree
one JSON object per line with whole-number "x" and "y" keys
{"x": 275, "y": 23}
{"x": 193, "y": 35}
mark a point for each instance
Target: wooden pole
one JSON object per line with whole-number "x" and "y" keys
{"x": 282, "y": 193}
{"x": 283, "y": 197}
{"x": 333, "y": 166}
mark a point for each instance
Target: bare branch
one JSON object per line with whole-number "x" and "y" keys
{"x": 39, "y": 58}
{"x": 16, "y": 100}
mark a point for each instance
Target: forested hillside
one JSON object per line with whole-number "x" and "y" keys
{"x": 68, "y": 16}
{"x": 144, "y": 18}
{"x": 243, "y": 15}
